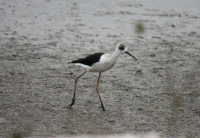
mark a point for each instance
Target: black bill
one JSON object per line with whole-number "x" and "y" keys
{"x": 130, "y": 55}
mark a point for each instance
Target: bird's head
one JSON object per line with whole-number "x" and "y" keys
{"x": 123, "y": 49}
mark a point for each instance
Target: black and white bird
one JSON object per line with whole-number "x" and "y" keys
{"x": 99, "y": 62}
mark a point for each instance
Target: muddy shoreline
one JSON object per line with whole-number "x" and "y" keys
{"x": 160, "y": 92}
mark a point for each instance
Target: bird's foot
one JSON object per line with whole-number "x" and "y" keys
{"x": 103, "y": 107}
{"x": 70, "y": 105}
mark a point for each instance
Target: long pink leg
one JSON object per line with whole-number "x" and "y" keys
{"x": 97, "y": 88}
{"x": 73, "y": 99}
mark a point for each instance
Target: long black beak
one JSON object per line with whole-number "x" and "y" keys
{"x": 130, "y": 55}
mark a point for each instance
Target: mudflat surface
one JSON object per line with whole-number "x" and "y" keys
{"x": 160, "y": 92}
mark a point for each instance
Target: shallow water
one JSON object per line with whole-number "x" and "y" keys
{"x": 171, "y": 4}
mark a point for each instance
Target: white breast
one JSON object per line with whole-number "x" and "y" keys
{"x": 105, "y": 63}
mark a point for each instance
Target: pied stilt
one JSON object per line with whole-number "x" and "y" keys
{"x": 99, "y": 62}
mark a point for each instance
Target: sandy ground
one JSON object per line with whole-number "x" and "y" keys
{"x": 160, "y": 92}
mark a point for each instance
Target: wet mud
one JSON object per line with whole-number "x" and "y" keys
{"x": 160, "y": 92}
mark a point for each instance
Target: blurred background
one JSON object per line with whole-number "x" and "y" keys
{"x": 158, "y": 93}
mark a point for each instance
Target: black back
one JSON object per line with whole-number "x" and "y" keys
{"x": 89, "y": 60}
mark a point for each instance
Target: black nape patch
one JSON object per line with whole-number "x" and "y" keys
{"x": 121, "y": 47}
{"x": 89, "y": 60}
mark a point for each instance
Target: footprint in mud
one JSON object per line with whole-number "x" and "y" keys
{"x": 139, "y": 74}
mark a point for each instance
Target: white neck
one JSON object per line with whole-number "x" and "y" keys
{"x": 116, "y": 54}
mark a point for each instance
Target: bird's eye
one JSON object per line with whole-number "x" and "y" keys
{"x": 121, "y": 47}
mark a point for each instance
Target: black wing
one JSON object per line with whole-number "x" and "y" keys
{"x": 89, "y": 60}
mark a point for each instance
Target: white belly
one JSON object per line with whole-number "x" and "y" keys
{"x": 105, "y": 63}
